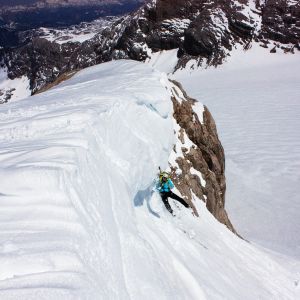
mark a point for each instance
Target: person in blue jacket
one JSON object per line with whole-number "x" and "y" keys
{"x": 164, "y": 186}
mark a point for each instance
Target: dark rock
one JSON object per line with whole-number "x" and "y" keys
{"x": 281, "y": 21}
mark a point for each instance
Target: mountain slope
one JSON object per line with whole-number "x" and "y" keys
{"x": 207, "y": 31}
{"x": 78, "y": 218}
{"x": 18, "y": 21}
{"x": 254, "y": 97}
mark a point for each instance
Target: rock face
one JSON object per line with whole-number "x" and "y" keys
{"x": 43, "y": 61}
{"x": 198, "y": 161}
{"x": 203, "y": 30}
{"x": 208, "y": 30}
{"x": 281, "y": 21}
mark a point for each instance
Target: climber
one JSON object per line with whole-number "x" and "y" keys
{"x": 164, "y": 186}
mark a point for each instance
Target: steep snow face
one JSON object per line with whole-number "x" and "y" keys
{"x": 78, "y": 218}
{"x": 254, "y": 98}
{"x": 72, "y": 161}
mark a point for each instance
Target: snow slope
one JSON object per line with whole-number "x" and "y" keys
{"x": 78, "y": 216}
{"x": 165, "y": 60}
{"x": 254, "y": 99}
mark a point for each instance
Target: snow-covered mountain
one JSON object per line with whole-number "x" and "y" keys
{"x": 92, "y": 145}
{"x": 79, "y": 219}
{"x": 18, "y": 18}
{"x": 207, "y": 31}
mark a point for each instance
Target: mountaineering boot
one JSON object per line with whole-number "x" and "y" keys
{"x": 194, "y": 212}
{"x": 168, "y": 206}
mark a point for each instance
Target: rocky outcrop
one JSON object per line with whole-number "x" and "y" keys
{"x": 198, "y": 161}
{"x": 208, "y": 30}
{"x": 43, "y": 61}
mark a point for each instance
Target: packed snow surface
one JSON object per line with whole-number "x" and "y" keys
{"x": 79, "y": 218}
{"x": 165, "y": 61}
{"x": 255, "y": 100}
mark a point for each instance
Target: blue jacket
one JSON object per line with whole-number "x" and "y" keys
{"x": 164, "y": 187}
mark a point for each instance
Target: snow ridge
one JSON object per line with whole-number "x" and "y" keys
{"x": 78, "y": 217}
{"x": 55, "y": 235}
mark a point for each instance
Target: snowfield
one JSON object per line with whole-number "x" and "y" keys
{"x": 255, "y": 100}
{"x": 79, "y": 218}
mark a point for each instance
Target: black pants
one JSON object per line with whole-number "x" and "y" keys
{"x": 166, "y": 195}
